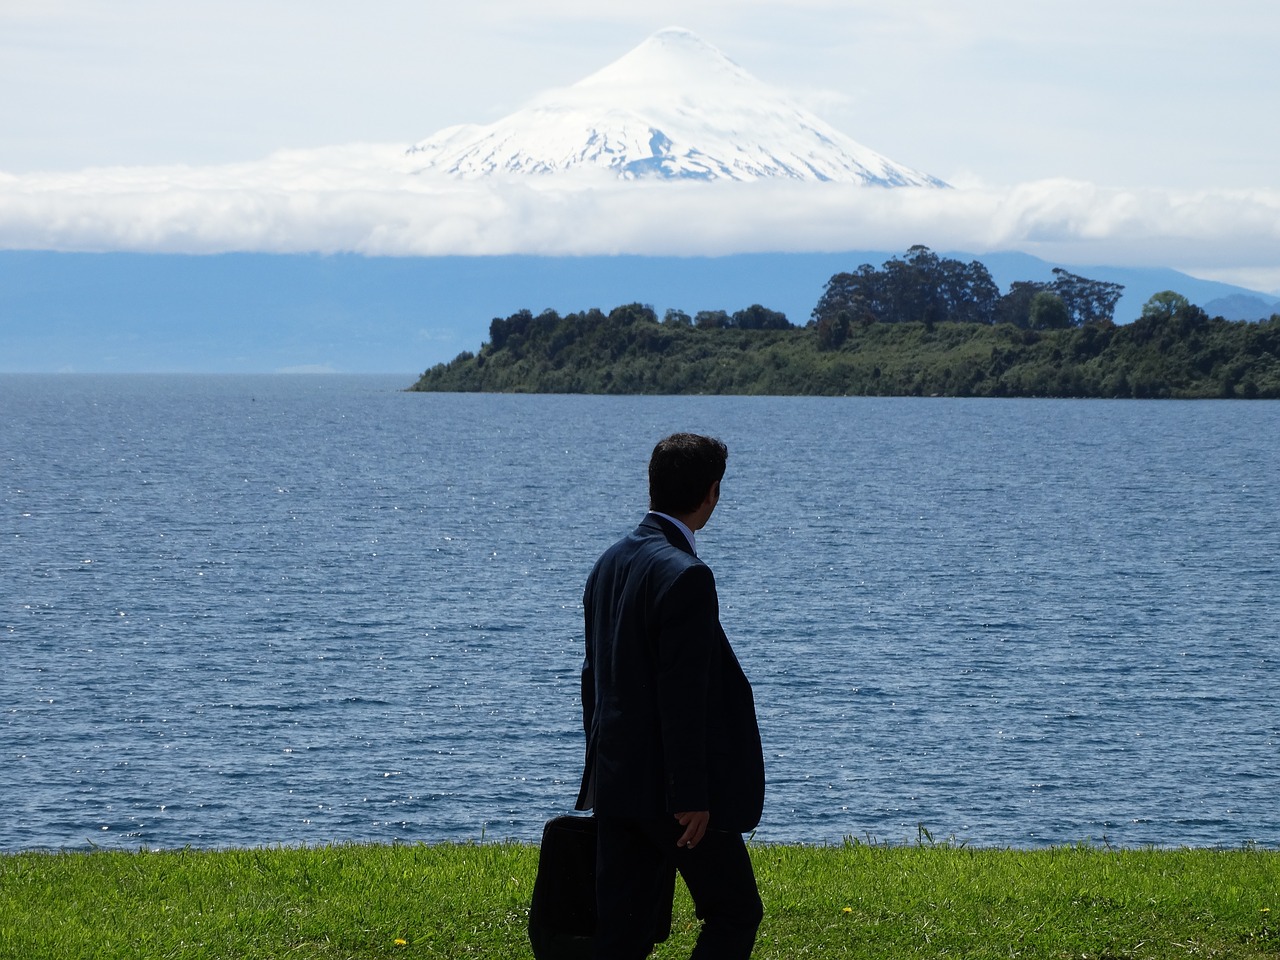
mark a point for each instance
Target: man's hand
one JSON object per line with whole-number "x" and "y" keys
{"x": 695, "y": 827}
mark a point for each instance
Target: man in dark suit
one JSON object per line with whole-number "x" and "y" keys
{"x": 674, "y": 768}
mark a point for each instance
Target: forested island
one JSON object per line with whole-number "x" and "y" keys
{"x": 921, "y": 325}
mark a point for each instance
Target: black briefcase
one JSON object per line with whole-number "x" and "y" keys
{"x": 562, "y": 916}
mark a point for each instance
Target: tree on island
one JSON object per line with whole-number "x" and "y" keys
{"x": 1047, "y": 312}
{"x": 921, "y": 287}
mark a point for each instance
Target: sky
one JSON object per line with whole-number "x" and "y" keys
{"x": 1130, "y": 132}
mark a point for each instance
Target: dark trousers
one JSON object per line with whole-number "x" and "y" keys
{"x": 634, "y": 860}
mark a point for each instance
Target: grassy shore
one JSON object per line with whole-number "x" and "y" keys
{"x": 471, "y": 900}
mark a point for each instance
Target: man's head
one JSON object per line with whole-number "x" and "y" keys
{"x": 682, "y": 472}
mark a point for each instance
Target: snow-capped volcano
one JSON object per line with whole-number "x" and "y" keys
{"x": 674, "y": 108}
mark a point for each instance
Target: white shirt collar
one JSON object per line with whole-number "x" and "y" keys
{"x": 688, "y": 534}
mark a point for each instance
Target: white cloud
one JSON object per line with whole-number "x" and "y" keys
{"x": 365, "y": 199}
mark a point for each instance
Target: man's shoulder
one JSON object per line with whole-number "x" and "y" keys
{"x": 649, "y": 544}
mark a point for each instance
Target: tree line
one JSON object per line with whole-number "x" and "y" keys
{"x": 922, "y": 287}
{"x": 921, "y": 325}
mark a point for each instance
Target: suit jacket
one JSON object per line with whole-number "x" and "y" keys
{"x": 668, "y": 713}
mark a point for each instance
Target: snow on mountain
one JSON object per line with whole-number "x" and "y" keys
{"x": 673, "y": 108}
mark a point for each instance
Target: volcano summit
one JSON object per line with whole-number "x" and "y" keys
{"x": 674, "y": 108}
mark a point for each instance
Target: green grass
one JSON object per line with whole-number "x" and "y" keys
{"x": 471, "y": 900}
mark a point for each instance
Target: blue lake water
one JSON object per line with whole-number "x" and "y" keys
{"x": 243, "y": 611}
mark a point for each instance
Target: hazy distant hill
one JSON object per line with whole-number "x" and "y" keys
{"x": 122, "y": 312}
{"x": 1242, "y": 306}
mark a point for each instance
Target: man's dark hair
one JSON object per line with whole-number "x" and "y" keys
{"x": 681, "y": 471}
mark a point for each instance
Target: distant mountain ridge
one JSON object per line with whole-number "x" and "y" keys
{"x": 260, "y": 313}
{"x": 674, "y": 108}
{"x": 1242, "y": 306}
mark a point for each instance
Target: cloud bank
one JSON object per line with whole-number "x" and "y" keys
{"x": 367, "y": 199}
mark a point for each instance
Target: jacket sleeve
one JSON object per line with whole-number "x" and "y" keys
{"x": 587, "y": 790}
{"x": 588, "y": 680}
{"x": 688, "y": 639}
